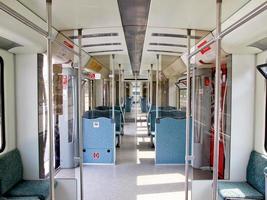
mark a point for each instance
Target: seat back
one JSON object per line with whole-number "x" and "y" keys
{"x": 11, "y": 170}
{"x": 255, "y": 171}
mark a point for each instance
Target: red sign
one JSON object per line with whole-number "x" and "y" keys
{"x": 96, "y": 155}
{"x": 68, "y": 44}
{"x": 91, "y": 76}
{"x": 65, "y": 81}
{"x": 207, "y": 81}
{"x": 203, "y": 51}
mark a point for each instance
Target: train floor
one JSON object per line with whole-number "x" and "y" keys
{"x": 135, "y": 176}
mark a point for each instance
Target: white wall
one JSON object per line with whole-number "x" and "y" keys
{"x": 27, "y": 113}
{"x": 260, "y": 103}
{"x": 242, "y": 119}
{"x": 9, "y": 92}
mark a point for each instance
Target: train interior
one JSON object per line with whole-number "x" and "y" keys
{"x": 131, "y": 114}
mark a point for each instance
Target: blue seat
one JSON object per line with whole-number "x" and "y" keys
{"x": 240, "y": 190}
{"x": 128, "y": 104}
{"x": 106, "y": 112}
{"x": 170, "y": 141}
{"x": 254, "y": 188}
{"x": 12, "y": 185}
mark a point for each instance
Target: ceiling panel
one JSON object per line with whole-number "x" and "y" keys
{"x": 192, "y": 14}
{"x": 69, "y": 14}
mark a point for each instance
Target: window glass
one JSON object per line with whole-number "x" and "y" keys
{"x": 2, "y": 116}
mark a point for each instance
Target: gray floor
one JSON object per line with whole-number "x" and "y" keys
{"x": 134, "y": 177}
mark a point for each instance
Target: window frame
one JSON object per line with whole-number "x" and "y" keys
{"x": 265, "y": 139}
{"x": 3, "y": 135}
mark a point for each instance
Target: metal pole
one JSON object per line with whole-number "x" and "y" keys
{"x": 113, "y": 88}
{"x": 188, "y": 112}
{"x": 193, "y": 106}
{"x": 50, "y": 100}
{"x": 91, "y": 93}
{"x": 157, "y": 88}
{"x": 151, "y": 86}
{"x": 80, "y": 112}
{"x": 217, "y": 100}
{"x": 120, "y": 85}
{"x": 123, "y": 87}
{"x": 136, "y": 98}
{"x": 148, "y": 88}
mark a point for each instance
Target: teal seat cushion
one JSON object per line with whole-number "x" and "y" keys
{"x": 10, "y": 170}
{"x": 242, "y": 190}
{"x": 20, "y": 198}
{"x": 255, "y": 171}
{"x": 38, "y": 188}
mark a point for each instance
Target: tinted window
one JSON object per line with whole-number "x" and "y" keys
{"x": 2, "y": 111}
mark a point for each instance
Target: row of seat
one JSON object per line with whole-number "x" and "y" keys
{"x": 102, "y": 134}
{"x": 162, "y": 113}
{"x": 168, "y": 134}
{"x": 144, "y": 104}
{"x": 12, "y": 185}
{"x": 128, "y": 104}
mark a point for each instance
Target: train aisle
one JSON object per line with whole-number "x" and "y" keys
{"x": 135, "y": 177}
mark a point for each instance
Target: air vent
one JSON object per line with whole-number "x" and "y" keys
{"x": 174, "y": 35}
{"x": 102, "y": 44}
{"x": 261, "y": 44}
{"x": 96, "y": 35}
{"x": 7, "y": 44}
{"x": 164, "y": 51}
{"x": 106, "y": 51}
{"x": 167, "y": 45}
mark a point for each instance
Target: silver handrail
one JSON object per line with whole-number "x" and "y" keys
{"x": 79, "y": 114}
{"x": 50, "y": 100}
{"x": 188, "y": 112}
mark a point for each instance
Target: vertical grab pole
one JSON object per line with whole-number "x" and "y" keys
{"x": 217, "y": 100}
{"x": 148, "y": 88}
{"x": 113, "y": 88}
{"x": 80, "y": 112}
{"x": 91, "y": 94}
{"x": 50, "y": 100}
{"x": 151, "y": 86}
{"x": 120, "y": 86}
{"x": 157, "y": 88}
{"x": 123, "y": 88}
{"x": 187, "y": 142}
{"x": 135, "y": 98}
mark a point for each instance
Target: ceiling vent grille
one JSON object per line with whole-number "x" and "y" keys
{"x": 7, "y": 44}
{"x": 167, "y": 45}
{"x": 102, "y": 44}
{"x": 96, "y": 35}
{"x": 164, "y": 51}
{"x": 174, "y": 35}
{"x": 105, "y": 51}
{"x": 260, "y": 44}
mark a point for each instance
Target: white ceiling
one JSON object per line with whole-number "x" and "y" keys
{"x": 102, "y": 16}
{"x": 193, "y": 14}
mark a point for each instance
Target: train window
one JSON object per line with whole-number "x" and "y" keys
{"x": 263, "y": 70}
{"x": 2, "y": 111}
